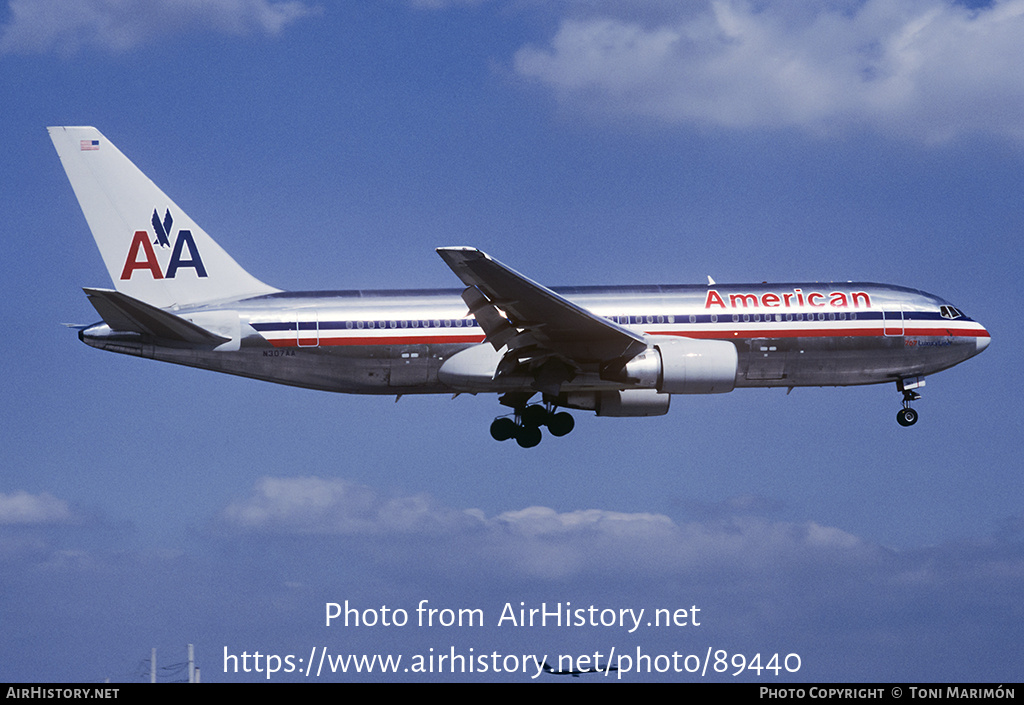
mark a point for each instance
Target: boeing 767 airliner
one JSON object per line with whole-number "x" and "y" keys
{"x": 617, "y": 351}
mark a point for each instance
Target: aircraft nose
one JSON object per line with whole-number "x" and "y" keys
{"x": 983, "y": 341}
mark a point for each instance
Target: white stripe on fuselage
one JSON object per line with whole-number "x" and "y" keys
{"x": 868, "y": 310}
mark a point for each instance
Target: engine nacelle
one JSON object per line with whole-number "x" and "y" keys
{"x": 684, "y": 366}
{"x": 625, "y": 402}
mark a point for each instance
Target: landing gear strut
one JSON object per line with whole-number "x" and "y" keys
{"x": 907, "y": 416}
{"x": 525, "y": 428}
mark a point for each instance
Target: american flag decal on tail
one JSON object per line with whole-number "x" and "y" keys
{"x": 90, "y": 145}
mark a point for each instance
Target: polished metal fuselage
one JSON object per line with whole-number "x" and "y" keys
{"x": 395, "y": 342}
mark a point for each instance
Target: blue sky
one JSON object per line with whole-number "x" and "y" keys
{"x": 335, "y": 145}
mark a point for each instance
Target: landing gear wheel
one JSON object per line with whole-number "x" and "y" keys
{"x": 527, "y": 436}
{"x": 561, "y": 424}
{"x": 906, "y": 417}
{"x": 503, "y": 428}
{"x": 534, "y": 416}
{"x": 526, "y": 425}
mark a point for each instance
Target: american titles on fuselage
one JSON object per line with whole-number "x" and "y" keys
{"x": 791, "y": 299}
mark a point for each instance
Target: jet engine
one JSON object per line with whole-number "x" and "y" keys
{"x": 683, "y": 366}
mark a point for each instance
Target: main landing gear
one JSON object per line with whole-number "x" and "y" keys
{"x": 907, "y": 416}
{"x": 525, "y": 427}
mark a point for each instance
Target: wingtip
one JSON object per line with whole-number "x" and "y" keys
{"x": 460, "y": 253}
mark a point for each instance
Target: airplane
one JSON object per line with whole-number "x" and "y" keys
{"x": 619, "y": 351}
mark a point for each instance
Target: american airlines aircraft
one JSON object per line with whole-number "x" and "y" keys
{"x": 617, "y": 351}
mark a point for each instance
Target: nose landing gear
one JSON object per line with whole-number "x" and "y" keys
{"x": 907, "y": 416}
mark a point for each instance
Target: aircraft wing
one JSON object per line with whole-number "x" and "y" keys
{"x": 543, "y": 319}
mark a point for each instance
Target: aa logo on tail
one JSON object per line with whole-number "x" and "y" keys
{"x": 141, "y": 254}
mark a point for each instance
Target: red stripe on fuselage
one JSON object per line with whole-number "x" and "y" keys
{"x": 733, "y": 334}
{"x": 728, "y": 334}
{"x": 332, "y": 341}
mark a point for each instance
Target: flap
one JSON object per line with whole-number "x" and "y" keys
{"x": 552, "y": 320}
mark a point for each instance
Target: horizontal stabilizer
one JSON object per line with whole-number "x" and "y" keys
{"x": 123, "y": 313}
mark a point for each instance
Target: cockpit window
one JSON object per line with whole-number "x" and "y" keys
{"x": 949, "y": 312}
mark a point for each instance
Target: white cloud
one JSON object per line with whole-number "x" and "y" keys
{"x": 931, "y": 69}
{"x": 312, "y": 505}
{"x": 65, "y": 26}
{"x": 536, "y": 541}
{"x": 25, "y": 508}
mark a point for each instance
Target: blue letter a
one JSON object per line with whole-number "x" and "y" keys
{"x": 194, "y": 261}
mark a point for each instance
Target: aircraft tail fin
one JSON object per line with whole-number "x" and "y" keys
{"x": 153, "y": 250}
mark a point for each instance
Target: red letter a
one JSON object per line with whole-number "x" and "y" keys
{"x": 141, "y": 239}
{"x": 713, "y": 299}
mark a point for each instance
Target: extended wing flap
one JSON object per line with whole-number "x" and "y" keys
{"x": 553, "y": 320}
{"x": 123, "y": 313}
{"x": 497, "y": 329}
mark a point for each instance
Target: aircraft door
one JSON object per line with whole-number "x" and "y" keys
{"x": 307, "y": 328}
{"x": 892, "y": 323}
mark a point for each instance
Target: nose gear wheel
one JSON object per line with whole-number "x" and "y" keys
{"x": 907, "y": 416}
